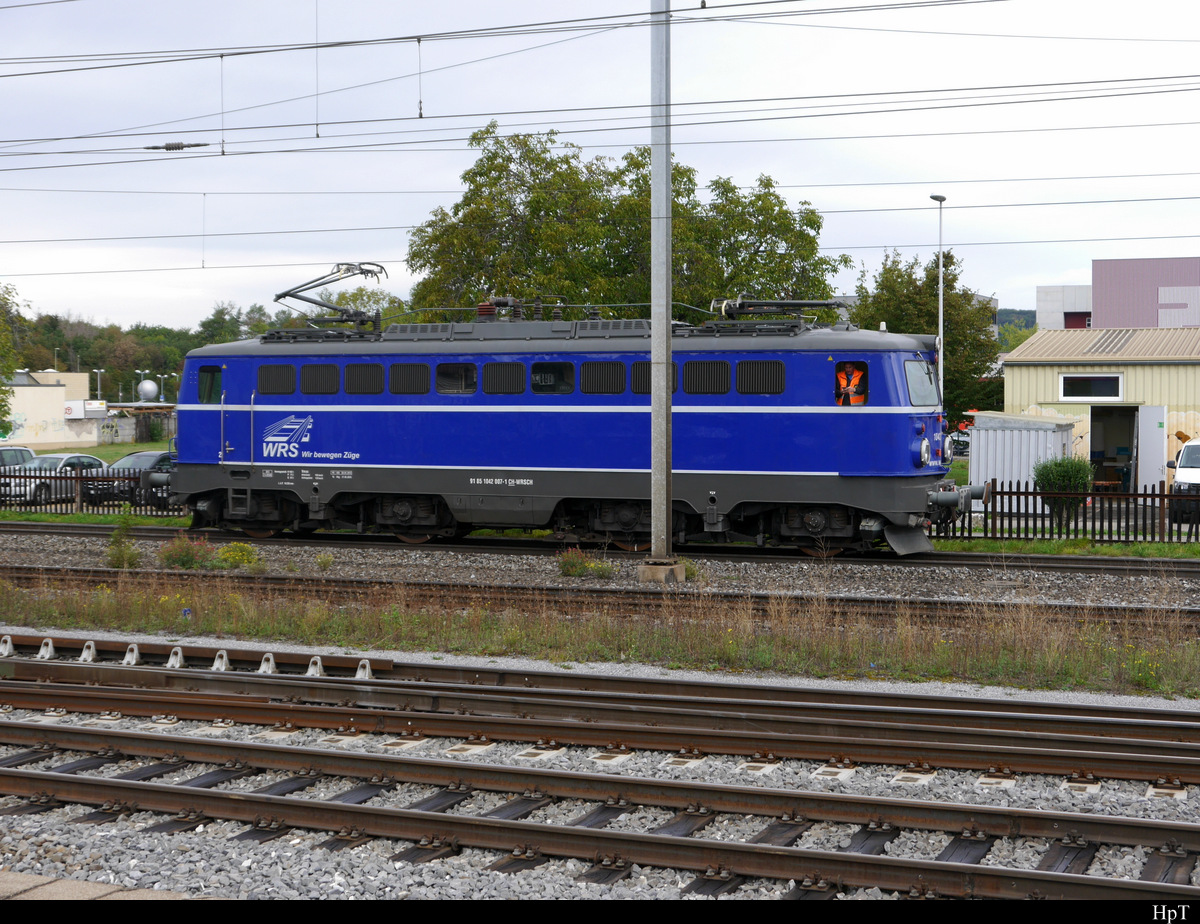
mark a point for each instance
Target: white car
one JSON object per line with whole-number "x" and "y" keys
{"x": 46, "y": 478}
{"x": 1187, "y": 482}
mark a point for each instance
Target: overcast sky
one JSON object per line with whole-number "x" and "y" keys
{"x": 1059, "y": 132}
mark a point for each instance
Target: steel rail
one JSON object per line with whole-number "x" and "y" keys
{"x": 782, "y": 697}
{"x": 754, "y": 717}
{"x": 647, "y": 601}
{"x": 1002, "y": 561}
{"x": 1099, "y": 758}
{"x": 533, "y": 839}
{"x": 793, "y": 805}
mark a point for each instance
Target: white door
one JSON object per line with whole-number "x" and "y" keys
{"x": 1151, "y": 447}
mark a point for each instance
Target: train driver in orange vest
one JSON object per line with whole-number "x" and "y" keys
{"x": 851, "y": 389}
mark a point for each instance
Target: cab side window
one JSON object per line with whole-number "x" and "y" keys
{"x": 850, "y": 384}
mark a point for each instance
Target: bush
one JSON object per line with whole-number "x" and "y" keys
{"x": 577, "y": 563}
{"x": 121, "y": 553}
{"x": 1067, "y": 475}
{"x": 188, "y": 554}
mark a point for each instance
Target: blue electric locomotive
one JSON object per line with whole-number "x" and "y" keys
{"x": 825, "y": 438}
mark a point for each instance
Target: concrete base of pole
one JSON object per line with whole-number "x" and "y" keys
{"x": 670, "y": 571}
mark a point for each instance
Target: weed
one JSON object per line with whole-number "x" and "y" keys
{"x": 188, "y": 554}
{"x": 237, "y": 555}
{"x": 121, "y": 551}
{"x": 324, "y": 561}
{"x": 577, "y": 563}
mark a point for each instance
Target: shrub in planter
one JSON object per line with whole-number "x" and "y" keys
{"x": 1067, "y": 475}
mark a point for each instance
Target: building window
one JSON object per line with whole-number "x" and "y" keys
{"x": 1091, "y": 387}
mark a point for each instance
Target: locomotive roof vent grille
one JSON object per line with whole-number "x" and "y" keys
{"x": 418, "y": 331}
{"x": 637, "y": 326}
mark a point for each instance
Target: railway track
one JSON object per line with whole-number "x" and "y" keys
{"x": 527, "y": 814}
{"x": 576, "y": 600}
{"x": 1011, "y": 563}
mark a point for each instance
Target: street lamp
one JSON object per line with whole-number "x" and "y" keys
{"x": 941, "y": 307}
{"x": 98, "y": 372}
{"x": 140, "y": 373}
{"x": 56, "y": 349}
{"x": 162, "y": 391}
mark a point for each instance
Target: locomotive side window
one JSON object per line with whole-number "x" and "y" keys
{"x": 706, "y": 377}
{"x": 922, "y": 383}
{"x": 602, "y": 378}
{"x": 499, "y": 378}
{"x": 641, "y": 378}
{"x": 408, "y": 379}
{"x": 322, "y": 379}
{"x": 274, "y": 379}
{"x": 760, "y": 377}
{"x": 850, "y": 384}
{"x": 552, "y": 378}
{"x": 364, "y": 379}
{"x": 456, "y": 378}
{"x": 210, "y": 385}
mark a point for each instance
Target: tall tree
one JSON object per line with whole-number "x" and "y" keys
{"x": 1013, "y": 334}
{"x": 222, "y": 326}
{"x": 905, "y": 295}
{"x": 536, "y": 221}
{"x": 528, "y": 224}
{"x": 10, "y": 319}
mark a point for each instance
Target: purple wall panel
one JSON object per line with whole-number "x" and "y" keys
{"x": 1125, "y": 292}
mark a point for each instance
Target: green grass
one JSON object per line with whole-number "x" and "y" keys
{"x": 1014, "y": 644}
{"x": 1175, "y": 550}
{"x": 102, "y": 519}
{"x": 109, "y": 452}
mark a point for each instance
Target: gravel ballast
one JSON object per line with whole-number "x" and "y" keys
{"x": 205, "y": 862}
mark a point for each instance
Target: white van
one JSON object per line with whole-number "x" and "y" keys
{"x": 1187, "y": 481}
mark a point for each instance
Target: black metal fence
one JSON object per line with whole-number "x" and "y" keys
{"x": 82, "y": 492}
{"x": 1019, "y": 511}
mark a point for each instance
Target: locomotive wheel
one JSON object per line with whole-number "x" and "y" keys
{"x": 632, "y": 545}
{"x": 260, "y": 533}
{"x": 820, "y": 553}
{"x": 413, "y": 538}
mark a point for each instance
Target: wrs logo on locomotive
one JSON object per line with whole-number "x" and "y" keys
{"x": 283, "y": 439}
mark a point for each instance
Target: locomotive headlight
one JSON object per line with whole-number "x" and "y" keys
{"x": 926, "y": 453}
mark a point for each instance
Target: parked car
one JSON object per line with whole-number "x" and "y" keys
{"x": 132, "y": 487}
{"x": 14, "y": 455}
{"x": 35, "y": 482}
{"x": 1187, "y": 483}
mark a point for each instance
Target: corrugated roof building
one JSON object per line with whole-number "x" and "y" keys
{"x": 1129, "y": 391}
